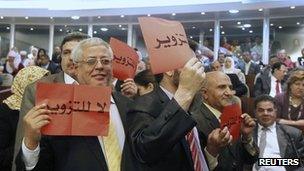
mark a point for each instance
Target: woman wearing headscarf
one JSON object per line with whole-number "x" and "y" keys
{"x": 9, "y": 113}
{"x": 229, "y": 68}
{"x": 12, "y": 66}
{"x": 291, "y": 103}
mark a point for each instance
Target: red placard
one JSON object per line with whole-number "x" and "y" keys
{"x": 231, "y": 117}
{"x": 125, "y": 60}
{"x": 166, "y": 42}
{"x": 78, "y": 109}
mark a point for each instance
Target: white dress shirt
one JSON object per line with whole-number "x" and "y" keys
{"x": 273, "y": 85}
{"x": 31, "y": 157}
{"x": 247, "y": 66}
{"x": 272, "y": 149}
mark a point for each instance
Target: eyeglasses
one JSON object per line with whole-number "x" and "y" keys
{"x": 93, "y": 61}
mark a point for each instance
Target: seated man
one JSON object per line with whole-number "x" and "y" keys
{"x": 275, "y": 140}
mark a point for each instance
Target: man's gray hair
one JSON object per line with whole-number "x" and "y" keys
{"x": 86, "y": 43}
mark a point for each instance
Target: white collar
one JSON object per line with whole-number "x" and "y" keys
{"x": 271, "y": 127}
{"x": 68, "y": 79}
{"x": 169, "y": 94}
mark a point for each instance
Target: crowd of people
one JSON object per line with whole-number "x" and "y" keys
{"x": 169, "y": 121}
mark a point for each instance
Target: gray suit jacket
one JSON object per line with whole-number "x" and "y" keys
{"x": 286, "y": 136}
{"x": 254, "y": 68}
{"x": 28, "y": 102}
{"x": 262, "y": 84}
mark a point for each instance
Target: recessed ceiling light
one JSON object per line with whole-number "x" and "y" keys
{"x": 193, "y": 27}
{"x": 280, "y": 27}
{"x": 1, "y": 17}
{"x": 203, "y": 13}
{"x": 233, "y": 11}
{"x": 80, "y": 29}
{"x": 292, "y": 7}
{"x": 250, "y": 31}
{"x": 7, "y": 28}
{"x": 119, "y": 25}
{"x": 75, "y": 17}
{"x": 104, "y": 29}
{"x": 261, "y": 9}
{"x": 148, "y": 15}
{"x": 222, "y": 32}
{"x": 271, "y": 24}
{"x": 210, "y": 30}
{"x": 26, "y": 18}
{"x": 99, "y": 17}
{"x": 95, "y": 32}
{"x": 65, "y": 25}
{"x": 173, "y": 14}
{"x": 247, "y": 25}
{"x": 239, "y": 23}
{"x": 32, "y": 28}
{"x": 123, "y": 28}
{"x": 191, "y": 37}
{"x": 243, "y": 28}
{"x": 51, "y": 18}
{"x": 60, "y": 29}
{"x": 298, "y": 23}
{"x": 221, "y": 26}
{"x": 122, "y": 16}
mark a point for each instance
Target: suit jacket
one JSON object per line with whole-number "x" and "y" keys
{"x": 237, "y": 85}
{"x": 286, "y": 135}
{"x": 231, "y": 158}
{"x": 80, "y": 153}
{"x": 157, "y": 129}
{"x": 262, "y": 84}
{"x": 53, "y": 68}
{"x": 253, "y": 68}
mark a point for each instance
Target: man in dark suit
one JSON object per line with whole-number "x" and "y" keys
{"x": 216, "y": 143}
{"x": 93, "y": 65}
{"x": 250, "y": 67}
{"x": 44, "y": 62}
{"x": 271, "y": 84}
{"x": 160, "y": 122}
{"x": 275, "y": 140}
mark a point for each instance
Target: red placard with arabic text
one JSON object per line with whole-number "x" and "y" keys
{"x": 125, "y": 60}
{"x": 78, "y": 110}
{"x": 231, "y": 117}
{"x": 166, "y": 42}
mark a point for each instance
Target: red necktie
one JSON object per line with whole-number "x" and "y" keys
{"x": 277, "y": 87}
{"x": 196, "y": 153}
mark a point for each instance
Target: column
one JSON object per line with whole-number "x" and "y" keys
{"x": 51, "y": 40}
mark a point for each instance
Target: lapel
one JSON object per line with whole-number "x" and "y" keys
{"x": 94, "y": 146}
{"x": 282, "y": 140}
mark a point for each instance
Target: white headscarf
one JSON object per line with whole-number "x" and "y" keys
{"x": 230, "y": 70}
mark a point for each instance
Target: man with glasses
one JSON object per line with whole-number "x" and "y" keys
{"x": 93, "y": 66}
{"x": 271, "y": 84}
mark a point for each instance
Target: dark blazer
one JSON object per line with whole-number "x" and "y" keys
{"x": 79, "y": 153}
{"x": 53, "y": 68}
{"x": 157, "y": 129}
{"x": 287, "y": 134}
{"x": 231, "y": 158}
{"x": 239, "y": 87}
{"x": 262, "y": 84}
{"x": 253, "y": 69}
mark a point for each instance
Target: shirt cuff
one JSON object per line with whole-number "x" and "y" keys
{"x": 30, "y": 157}
{"x": 212, "y": 161}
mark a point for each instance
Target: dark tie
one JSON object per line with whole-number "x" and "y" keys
{"x": 262, "y": 144}
{"x": 198, "y": 158}
{"x": 277, "y": 87}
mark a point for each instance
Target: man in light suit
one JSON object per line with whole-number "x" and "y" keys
{"x": 93, "y": 66}
{"x": 216, "y": 143}
{"x": 275, "y": 140}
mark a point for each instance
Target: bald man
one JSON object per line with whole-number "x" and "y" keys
{"x": 215, "y": 142}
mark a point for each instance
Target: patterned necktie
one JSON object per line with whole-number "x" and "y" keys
{"x": 277, "y": 87}
{"x": 262, "y": 144}
{"x": 113, "y": 152}
{"x": 198, "y": 158}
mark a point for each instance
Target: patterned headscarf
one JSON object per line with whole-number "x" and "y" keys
{"x": 24, "y": 77}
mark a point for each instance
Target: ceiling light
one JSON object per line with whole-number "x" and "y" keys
{"x": 280, "y": 27}
{"x": 148, "y": 15}
{"x": 203, "y": 13}
{"x": 200, "y": 41}
{"x": 65, "y": 25}
{"x": 261, "y": 9}
{"x": 222, "y": 32}
{"x": 119, "y": 25}
{"x": 104, "y": 29}
{"x": 210, "y": 30}
{"x": 191, "y": 37}
{"x": 250, "y": 31}
{"x": 221, "y": 26}
{"x": 95, "y": 32}
{"x": 7, "y": 28}
{"x": 99, "y": 17}
{"x": 26, "y": 18}
{"x": 68, "y": 31}
{"x": 51, "y": 18}
{"x": 75, "y": 17}
{"x": 173, "y": 14}
{"x": 298, "y": 23}
{"x": 247, "y": 25}
{"x": 31, "y": 28}
{"x": 123, "y": 28}
{"x": 193, "y": 27}
{"x": 1, "y": 17}
{"x": 233, "y": 11}
{"x": 292, "y": 7}
{"x": 122, "y": 16}
{"x": 271, "y": 24}
{"x": 60, "y": 29}
{"x": 80, "y": 29}
{"x": 243, "y": 28}
{"x": 239, "y": 23}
